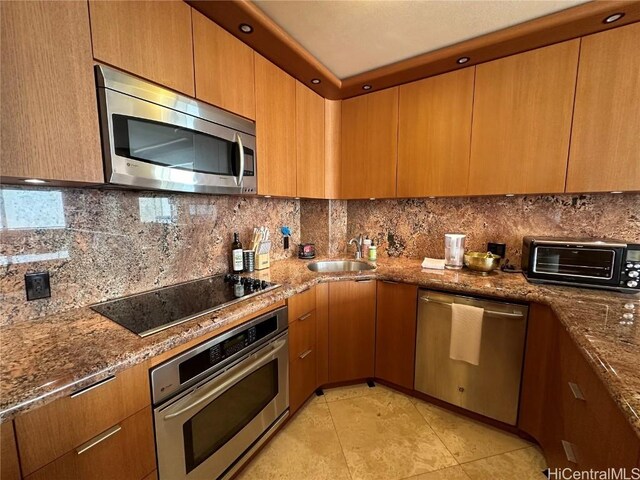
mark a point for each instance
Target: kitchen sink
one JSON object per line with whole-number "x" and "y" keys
{"x": 340, "y": 266}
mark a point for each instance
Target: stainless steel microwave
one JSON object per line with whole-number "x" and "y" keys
{"x": 154, "y": 138}
{"x": 594, "y": 263}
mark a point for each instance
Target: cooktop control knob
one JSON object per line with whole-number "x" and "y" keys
{"x": 632, "y": 283}
{"x": 256, "y": 284}
{"x": 264, "y": 284}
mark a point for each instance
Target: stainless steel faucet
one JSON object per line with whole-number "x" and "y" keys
{"x": 358, "y": 243}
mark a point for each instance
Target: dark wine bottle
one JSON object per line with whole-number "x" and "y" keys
{"x": 236, "y": 254}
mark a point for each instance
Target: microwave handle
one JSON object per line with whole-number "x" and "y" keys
{"x": 241, "y": 148}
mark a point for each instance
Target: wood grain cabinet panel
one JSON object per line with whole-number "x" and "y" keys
{"x": 522, "y": 121}
{"x": 396, "y": 324}
{"x": 322, "y": 332}
{"x": 224, "y": 68}
{"x": 369, "y": 145}
{"x": 48, "y": 432}
{"x": 302, "y": 379}
{"x": 303, "y": 355}
{"x": 150, "y": 39}
{"x": 434, "y": 135}
{"x": 352, "y": 318}
{"x": 127, "y": 454}
{"x": 605, "y": 140}
{"x": 49, "y": 118}
{"x": 301, "y": 304}
{"x": 9, "y": 464}
{"x": 275, "y": 129}
{"x": 310, "y": 143}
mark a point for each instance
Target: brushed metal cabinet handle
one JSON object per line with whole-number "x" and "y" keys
{"x": 390, "y": 282}
{"x": 304, "y": 317}
{"x": 364, "y": 280}
{"x": 97, "y": 439}
{"x": 304, "y": 354}
{"x": 577, "y": 392}
{"x": 569, "y": 451}
{"x": 91, "y": 387}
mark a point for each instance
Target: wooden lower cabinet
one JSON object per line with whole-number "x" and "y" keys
{"x": 566, "y": 407}
{"x": 396, "y": 332}
{"x": 352, "y": 330}
{"x": 9, "y": 464}
{"x": 127, "y": 454}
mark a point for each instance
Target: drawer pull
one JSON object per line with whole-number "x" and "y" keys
{"x": 91, "y": 387}
{"x": 304, "y": 354}
{"x": 304, "y": 317}
{"x": 390, "y": 282}
{"x": 568, "y": 451}
{"x": 577, "y": 392}
{"x": 363, "y": 280}
{"x": 96, "y": 440}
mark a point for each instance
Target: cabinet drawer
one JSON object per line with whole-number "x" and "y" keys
{"x": 302, "y": 335}
{"x": 51, "y": 431}
{"x": 124, "y": 451}
{"x": 301, "y": 304}
{"x": 302, "y": 378}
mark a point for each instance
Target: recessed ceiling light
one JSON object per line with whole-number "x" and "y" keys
{"x": 245, "y": 28}
{"x": 366, "y": 87}
{"x": 315, "y": 81}
{"x": 34, "y": 180}
{"x": 462, "y": 60}
{"x": 613, "y": 18}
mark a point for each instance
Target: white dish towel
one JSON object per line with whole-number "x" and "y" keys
{"x": 433, "y": 263}
{"x": 466, "y": 333}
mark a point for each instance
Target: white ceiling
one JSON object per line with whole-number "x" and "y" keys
{"x": 354, "y": 36}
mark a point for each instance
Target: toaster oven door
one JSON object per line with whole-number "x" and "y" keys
{"x": 585, "y": 264}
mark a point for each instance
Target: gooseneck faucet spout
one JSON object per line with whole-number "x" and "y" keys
{"x": 358, "y": 243}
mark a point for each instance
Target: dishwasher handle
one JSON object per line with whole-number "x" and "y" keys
{"x": 493, "y": 313}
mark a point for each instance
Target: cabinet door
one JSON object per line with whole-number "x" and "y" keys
{"x": 9, "y": 466}
{"x": 149, "y": 39}
{"x": 352, "y": 317}
{"x": 522, "y": 121}
{"x": 434, "y": 135}
{"x": 49, "y": 119}
{"x": 224, "y": 68}
{"x": 369, "y": 144}
{"x": 275, "y": 129}
{"x": 396, "y": 333}
{"x": 310, "y": 142}
{"x": 605, "y": 141}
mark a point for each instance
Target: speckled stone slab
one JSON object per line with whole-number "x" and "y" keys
{"x": 47, "y": 359}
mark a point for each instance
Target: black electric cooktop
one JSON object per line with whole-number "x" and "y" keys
{"x": 150, "y": 312}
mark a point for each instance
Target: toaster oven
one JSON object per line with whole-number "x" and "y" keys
{"x": 593, "y": 263}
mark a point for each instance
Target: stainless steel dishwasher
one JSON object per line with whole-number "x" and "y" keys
{"x": 491, "y": 388}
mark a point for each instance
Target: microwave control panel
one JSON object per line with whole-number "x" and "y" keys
{"x": 630, "y": 276}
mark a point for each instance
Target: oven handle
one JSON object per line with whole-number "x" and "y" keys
{"x": 276, "y": 347}
{"x": 241, "y": 148}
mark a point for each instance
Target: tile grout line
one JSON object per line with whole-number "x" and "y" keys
{"x": 497, "y": 455}
{"x": 335, "y": 429}
{"x": 436, "y": 434}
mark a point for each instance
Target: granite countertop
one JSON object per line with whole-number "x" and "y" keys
{"x": 47, "y": 358}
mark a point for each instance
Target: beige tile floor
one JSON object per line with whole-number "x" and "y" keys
{"x": 361, "y": 433}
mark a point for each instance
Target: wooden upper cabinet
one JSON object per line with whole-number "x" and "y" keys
{"x": 224, "y": 68}
{"x": 605, "y": 142}
{"x": 150, "y": 39}
{"x": 522, "y": 121}
{"x": 275, "y": 129}
{"x": 332, "y": 128}
{"x": 310, "y": 142}
{"x": 434, "y": 135}
{"x": 369, "y": 145}
{"x": 49, "y": 118}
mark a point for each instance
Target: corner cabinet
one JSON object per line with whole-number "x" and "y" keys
{"x": 605, "y": 141}
{"x": 369, "y": 145}
{"x": 310, "y": 181}
{"x": 224, "y": 68}
{"x": 150, "y": 39}
{"x": 352, "y": 330}
{"x": 434, "y": 135}
{"x": 49, "y": 118}
{"x": 275, "y": 129}
{"x": 522, "y": 114}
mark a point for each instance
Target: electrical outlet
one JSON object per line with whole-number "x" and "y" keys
{"x": 37, "y": 285}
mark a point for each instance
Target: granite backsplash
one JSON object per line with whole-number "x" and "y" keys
{"x": 415, "y": 228}
{"x": 99, "y": 244}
